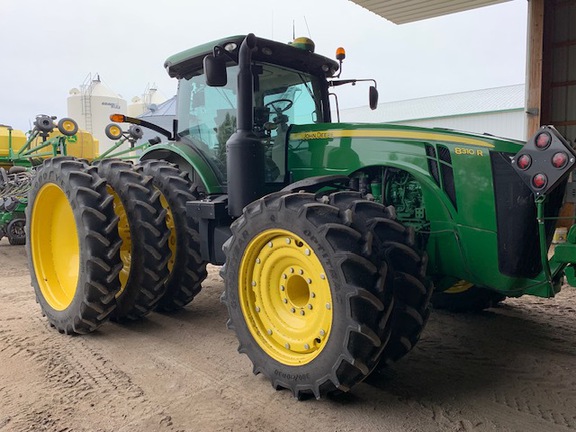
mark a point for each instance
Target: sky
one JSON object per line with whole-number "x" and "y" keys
{"x": 49, "y": 47}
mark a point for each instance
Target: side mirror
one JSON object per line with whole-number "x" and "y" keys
{"x": 373, "y": 97}
{"x": 215, "y": 71}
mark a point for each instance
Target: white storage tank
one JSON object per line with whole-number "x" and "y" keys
{"x": 148, "y": 101}
{"x": 91, "y": 106}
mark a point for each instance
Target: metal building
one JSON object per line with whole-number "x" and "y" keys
{"x": 551, "y": 60}
{"x": 497, "y": 111}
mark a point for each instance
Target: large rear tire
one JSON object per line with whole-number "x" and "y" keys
{"x": 466, "y": 297}
{"x": 393, "y": 244}
{"x": 142, "y": 228}
{"x": 304, "y": 295}
{"x": 73, "y": 245}
{"x": 187, "y": 270}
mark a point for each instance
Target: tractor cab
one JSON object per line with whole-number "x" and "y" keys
{"x": 290, "y": 87}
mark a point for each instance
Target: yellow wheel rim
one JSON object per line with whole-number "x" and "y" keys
{"x": 459, "y": 287}
{"x": 68, "y": 125}
{"x": 172, "y": 227}
{"x": 55, "y": 246}
{"x": 285, "y": 297}
{"x": 115, "y": 131}
{"x": 124, "y": 232}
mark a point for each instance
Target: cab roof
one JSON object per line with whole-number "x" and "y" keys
{"x": 189, "y": 62}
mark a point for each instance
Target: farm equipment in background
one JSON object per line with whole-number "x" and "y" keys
{"x": 332, "y": 236}
{"x": 14, "y": 186}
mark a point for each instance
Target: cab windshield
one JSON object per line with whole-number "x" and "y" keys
{"x": 282, "y": 97}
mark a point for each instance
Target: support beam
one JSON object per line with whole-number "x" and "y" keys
{"x": 534, "y": 65}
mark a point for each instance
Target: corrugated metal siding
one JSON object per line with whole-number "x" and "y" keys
{"x": 405, "y": 11}
{"x": 498, "y": 111}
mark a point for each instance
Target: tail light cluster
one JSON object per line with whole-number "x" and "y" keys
{"x": 545, "y": 160}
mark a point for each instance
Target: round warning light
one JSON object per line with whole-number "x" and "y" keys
{"x": 543, "y": 140}
{"x": 539, "y": 181}
{"x": 560, "y": 160}
{"x": 524, "y": 162}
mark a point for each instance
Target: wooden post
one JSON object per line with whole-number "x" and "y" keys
{"x": 534, "y": 65}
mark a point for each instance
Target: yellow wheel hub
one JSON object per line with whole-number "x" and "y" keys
{"x": 68, "y": 126}
{"x": 285, "y": 297}
{"x": 55, "y": 246}
{"x": 124, "y": 232}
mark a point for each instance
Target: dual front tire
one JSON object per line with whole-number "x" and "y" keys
{"x": 98, "y": 243}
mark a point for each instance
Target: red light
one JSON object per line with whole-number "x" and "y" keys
{"x": 524, "y": 162}
{"x": 539, "y": 181}
{"x": 559, "y": 160}
{"x": 543, "y": 141}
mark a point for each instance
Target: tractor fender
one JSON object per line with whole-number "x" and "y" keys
{"x": 188, "y": 159}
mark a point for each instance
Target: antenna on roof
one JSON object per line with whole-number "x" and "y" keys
{"x": 293, "y": 30}
{"x": 307, "y": 28}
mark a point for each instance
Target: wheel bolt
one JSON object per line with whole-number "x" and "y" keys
{"x": 307, "y": 251}
{"x": 310, "y": 306}
{"x": 270, "y": 244}
{"x": 287, "y": 241}
{"x": 282, "y": 287}
{"x": 257, "y": 309}
{"x": 285, "y": 300}
{"x": 284, "y": 276}
{"x": 306, "y": 346}
{"x": 302, "y": 312}
{"x": 270, "y": 331}
{"x": 253, "y": 283}
{"x": 328, "y": 306}
{"x": 291, "y": 270}
{"x": 309, "y": 280}
{"x": 322, "y": 276}
{"x": 301, "y": 272}
{"x": 287, "y": 345}
{"x": 312, "y": 294}
{"x": 322, "y": 333}
{"x": 258, "y": 261}
{"x": 292, "y": 310}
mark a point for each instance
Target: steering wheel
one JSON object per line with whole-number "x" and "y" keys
{"x": 273, "y": 103}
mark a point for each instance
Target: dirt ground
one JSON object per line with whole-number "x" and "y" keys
{"x": 508, "y": 369}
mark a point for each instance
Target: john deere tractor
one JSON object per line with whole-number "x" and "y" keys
{"x": 331, "y": 236}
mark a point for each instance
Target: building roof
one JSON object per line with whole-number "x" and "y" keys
{"x": 167, "y": 108}
{"x": 406, "y": 11}
{"x": 449, "y": 105}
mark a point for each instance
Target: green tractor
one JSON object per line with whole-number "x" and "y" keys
{"x": 331, "y": 236}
